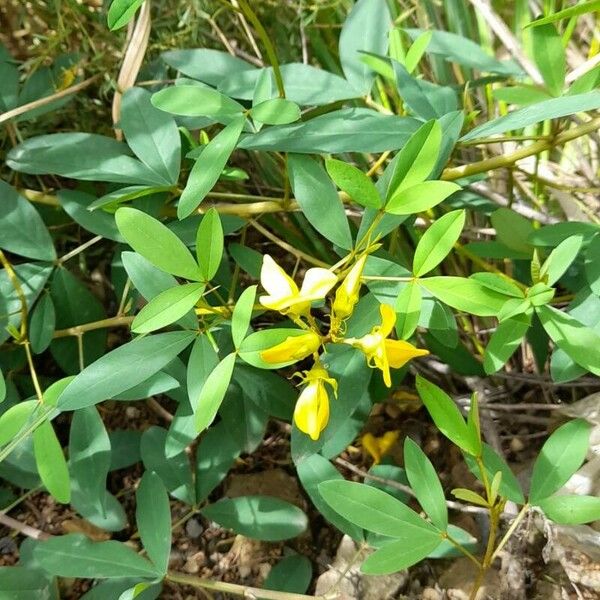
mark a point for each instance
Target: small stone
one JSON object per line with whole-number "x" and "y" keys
{"x": 7, "y": 545}
{"x": 194, "y": 528}
{"x": 516, "y": 445}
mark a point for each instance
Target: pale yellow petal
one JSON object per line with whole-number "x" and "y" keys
{"x": 317, "y": 283}
{"x": 399, "y": 352}
{"x": 275, "y": 280}
{"x": 388, "y": 319}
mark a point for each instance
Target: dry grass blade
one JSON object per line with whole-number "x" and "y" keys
{"x": 132, "y": 61}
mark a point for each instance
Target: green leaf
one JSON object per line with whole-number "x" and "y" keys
{"x": 258, "y": 517}
{"x": 81, "y": 156}
{"x": 292, "y": 573}
{"x": 196, "y": 101}
{"x": 33, "y": 277}
{"x": 204, "y": 64}
{"x": 425, "y": 99}
{"x": 408, "y": 310}
{"x": 314, "y": 470}
{"x": 552, "y": 235}
{"x": 470, "y": 496}
{"x": 2, "y": 387}
{"x": 560, "y": 259}
{"x": 549, "y": 56}
{"x": 365, "y": 29}
{"x": 457, "y": 48}
{"x": 536, "y": 113}
{"x": 420, "y": 197}
{"x": 465, "y": 294}
{"x": 151, "y": 134}
{"x": 167, "y": 307}
{"x": 174, "y": 471}
{"x": 493, "y": 463}
{"x": 416, "y": 50}
{"x": 26, "y": 583}
{"x": 571, "y": 510}
{"x": 376, "y": 511}
{"x": 319, "y": 200}
{"x": 504, "y": 341}
{"x": 51, "y": 463}
{"x": 354, "y": 182}
{"x": 213, "y": 392}
{"x": 14, "y": 419}
{"x": 22, "y": 230}
{"x": 437, "y": 241}
{"x": 277, "y": 111}
{"x": 153, "y": 518}
{"x": 418, "y": 157}
{"x": 123, "y": 368}
{"x": 426, "y": 484}
{"x": 344, "y": 130}
{"x": 581, "y": 8}
{"x": 592, "y": 265}
{"x": 42, "y": 324}
{"x": 215, "y": 455}
{"x": 89, "y": 459}
{"x": 512, "y": 229}
{"x": 75, "y": 555}
{"x": 521, "y": 94}
{"x": 158, "y": 244}
{"x": 581, "y": 343}
{"x": 78, "y": 205}
{"x": 121, "y": 12}
{"x": 398, "y": 555}
{"x": 561, "y": 455}
{"x": 242, "y": 313}
{"x": 208, "y": 168}
{"x": 209, "y": 244}
{"x": 446, "y": 416}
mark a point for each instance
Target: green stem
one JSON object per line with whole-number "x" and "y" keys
{"x": 241, "y": 590}
{"x": 511, "y": 530}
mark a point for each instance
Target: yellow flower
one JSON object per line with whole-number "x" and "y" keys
{"x": 378, "y": 447}
{"x": 312, "y": 408}
{"x": 293, "y": 348}
{"x": 346, "y": 295}
{"x": 284, "y": 295}
{"x": 381, "y": 352}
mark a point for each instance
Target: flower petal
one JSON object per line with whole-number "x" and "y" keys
{"x": 317, "y": 283}
{"x": 312, "y": 410}
{"x": 293, "y": 348}
{"x": 388, "y": 319}
{"x": 275, "y": 280}
{"x": 399, "y": 352}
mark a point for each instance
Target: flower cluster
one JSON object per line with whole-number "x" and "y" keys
{"x": 312, "y": 408}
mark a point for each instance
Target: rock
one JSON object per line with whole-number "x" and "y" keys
{"x": 578, "y": 551}
{"x": 245, "y": 555}
{"x": 194, "y": 528}
{"x": 458, "y": 581}
{"x": 345, "y": 576}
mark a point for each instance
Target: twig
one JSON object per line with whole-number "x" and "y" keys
{"x": 32, "y": 532}
{"x": 242, "y": 590}
{"x": 404, "y": 488}
{"x": 24, "y": 108}
{"x": 498, "y": 26}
